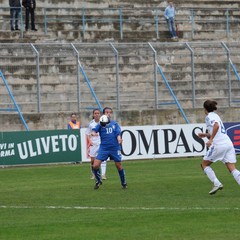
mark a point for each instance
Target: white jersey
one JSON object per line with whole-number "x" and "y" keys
{"x": 221, "y": 137}
{"x": 95, "y": 139}
{"x": 222, "y": 147}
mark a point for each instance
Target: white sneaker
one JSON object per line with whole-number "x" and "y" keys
{"x": 104, "y": 177}
{"x": 93, "y": 177}
{"x": 215, "y": 189}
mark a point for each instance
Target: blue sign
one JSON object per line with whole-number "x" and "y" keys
{"x": 233, "y": 131}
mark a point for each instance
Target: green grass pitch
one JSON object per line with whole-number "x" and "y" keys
{"x": 165, "y": 199}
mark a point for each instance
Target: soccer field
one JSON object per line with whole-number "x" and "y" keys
{"x": 165, "y": 199}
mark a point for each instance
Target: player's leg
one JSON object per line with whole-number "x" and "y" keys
{"x": 102, "y": 155}
{"x": 121, "y": 173}
{"x": 97, "y": 174}
{"x": 235, "y": 172}
{"x": 230, "y": 164}
{"x": 213, "y": 154}
{"x": 117, "y": 157}
{"x": 93, "y": 150}
{"x": 92, "y": 173}
{"x": 103, "y": 169}
{"x": 217, "y": 185}
{"x": 209, "y": 172}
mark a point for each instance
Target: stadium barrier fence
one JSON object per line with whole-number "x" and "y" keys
{"x": 139, "y": 142}
{"x": 191, "y": 18}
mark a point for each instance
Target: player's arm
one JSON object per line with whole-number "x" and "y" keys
{"x": 118, "y": 133}
{"x": 89, "y": 139}
{"x": 88, "y": 135}
{"x": 94, "y": 134}
{"x": 203, "y": 135}
{"x": 95, "y": 130}
{"x": 119, "y": 138}
{"x": 214, "y": 132}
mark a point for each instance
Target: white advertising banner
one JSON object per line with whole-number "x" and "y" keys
{"x": 158, "y": 141}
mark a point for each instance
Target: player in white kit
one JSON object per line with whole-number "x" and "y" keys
{"x": 220, "y": 147}
{"x": 94, "y": 142}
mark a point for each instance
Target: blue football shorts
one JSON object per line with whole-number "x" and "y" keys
{"x": 115, "y": 155}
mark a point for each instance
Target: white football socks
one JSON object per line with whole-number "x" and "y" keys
{"x": 211, "y": 175}
{"x": 103, "y": 168}
{"x": 236, "y": 175}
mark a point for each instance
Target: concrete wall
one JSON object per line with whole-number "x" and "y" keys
{"x": 53, "y": 121}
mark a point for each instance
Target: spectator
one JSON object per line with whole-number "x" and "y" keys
{"x": 169, "y": 15}
{"x": 74, "y": 124}
{"x": 15, "y": 8}
{"x": 30, "y": 6}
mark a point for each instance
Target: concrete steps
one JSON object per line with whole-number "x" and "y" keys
{"x": 102, "y": 22}
{"x": 58, "y": 79}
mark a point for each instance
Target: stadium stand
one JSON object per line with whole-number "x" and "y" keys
{"x": 100, "y": 20}
{"x": 196, "y": 67}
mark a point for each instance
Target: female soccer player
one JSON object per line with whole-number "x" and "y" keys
{"x": 94, "y": 142}
{"x": 110, "y": 147}
{"x": 220, "y": 147}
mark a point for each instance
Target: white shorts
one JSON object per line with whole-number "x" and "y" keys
{"x": 225, "y": 153}
{"x": 93, "y": 150}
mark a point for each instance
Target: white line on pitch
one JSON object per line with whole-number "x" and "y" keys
{"x": 121, "y": 208}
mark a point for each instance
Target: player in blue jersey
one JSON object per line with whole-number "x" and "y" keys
{"x": 110, "y": 147}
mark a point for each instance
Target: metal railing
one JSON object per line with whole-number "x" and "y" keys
{"x": 119, "y": 19}
{"x": 175, "y": 100}
{"x": 154, "y": 16}
{"x": 16, "y": 107}
{"x": 49, "y": 74}
{"x": 89, "y": 85}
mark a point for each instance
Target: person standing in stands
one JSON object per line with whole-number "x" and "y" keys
{"x": 30, "y": 6}
{"x": 74, "y": 124}
{"x": 169, "y": 15}
{"x": 15, "y": 8}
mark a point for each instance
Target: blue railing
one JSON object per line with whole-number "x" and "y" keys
{"x": 90, "y": 87}
{"x": 234, "y": 70}
{"x": 175, "y": 101}
{"x": 16, "y": 108}
{"x": 236, "y": 74}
